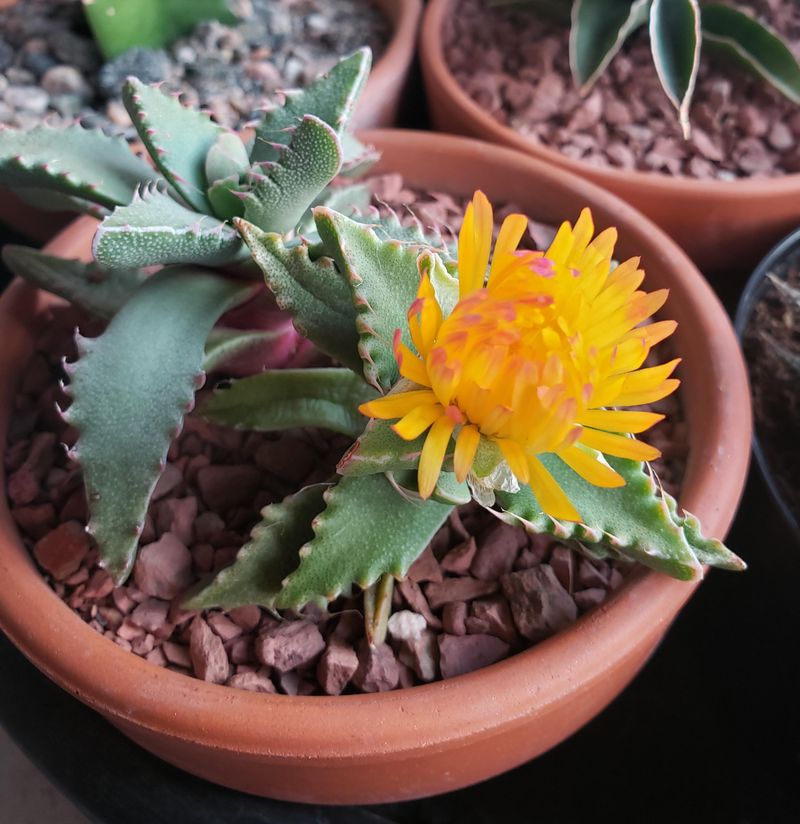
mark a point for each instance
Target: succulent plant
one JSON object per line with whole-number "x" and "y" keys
{"x": 119, "y": 25}
{"x": 678, "y": 29}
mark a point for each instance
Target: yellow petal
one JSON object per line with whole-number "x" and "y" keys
{"x": 644, "y": 380}
{"x": 649, "y": 396}
{"x": 589, "y": 466}
{"x": 514, "y": 453}
{"x": 618, "y": 445}
{"x": 432, "y": 456}
{"x": 466, "y": 447}
{"x": 396, "y": 405}
{"x": 551, "y": 497}
{"x": 508, "y": 239}
{"x": 474, "y": 244}
{"x": 411, "y": 366}
{"x": 612, "y": 420}
{"x": 413, "y": 424}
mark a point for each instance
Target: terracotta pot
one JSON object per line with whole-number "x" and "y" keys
{"x": 722, "y": 225}
{"x": 438, "y": 737}
{"x": 377, "y": 108}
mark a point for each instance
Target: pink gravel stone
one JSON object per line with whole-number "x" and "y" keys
{"x": 245, "y": 617}
{"x": 336, "y": 667}
{"x": 177, "y": 515}
{"x": 425, "y": 568}
{"x": 458, "y": 589}
{"x": 497, "y": 551}
{"x": 223, "y": 626}
{"x": 461, "y": 654}
{"x": 454, "y": 616}
{"x": 287, "y": 457}
{"x": 127, "y": 630}
{"x": 410, "y": 590}
{"x": 378, "y": 670}
{"x": 564, "y": 564}
{"x": 539, "y": 604}
{"x": 170, "y": 478}
{"x": 163, "y": 569}
{"x": 459, "y": 559}
{"x": 156, "y": 656}
{"x": 224, "y": 487}
{"x": 252, "y": 682}
{"x": 496, "y": 615}
{"x": 422, "y": 655}
{"x": 35, "y": 521}
{"x": 289, "y": 645}
{"x": 150, "y": 615}
{"x": 588, "y": 598}
{"x": 100, "y": 585}
{"x": 592, "y": 575}
{"x": 177, "y": 654}
{"x": 209, "y": 659}
{"x": 61, "y": 551}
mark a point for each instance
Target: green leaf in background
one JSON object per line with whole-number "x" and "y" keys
{"x": 96, "y": 289}
{"x": 675, "y": 42}
{"x": 313, "y": 292}
{"x": 224, "y": 345}
{"x": 599, "y": 28}
{"x": 366, "y": 530}
{"x": 155, "y": 229}
{"x": 131, "y": 388}
{"x": 754, "y": 45}
{"x": 73, "y": 161}
{"x": 306, "y": 166}
{"x": 119, "y": 25}
{"x": 287, "y": 398}
{"x": 176, "y": 137}
{"x": 256, "y": 576}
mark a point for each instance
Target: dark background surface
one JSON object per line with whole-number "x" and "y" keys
{"x": 708, "y": 732}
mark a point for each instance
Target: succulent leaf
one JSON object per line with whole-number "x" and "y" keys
{"x": 312, "y": 291}
{"x": 306, "y": 166}
{"x": 675, "y": 42}
{"x": 383, "y": 277}
{"x": 90, "y": 286}
{"x": 256, "y": 576}
{"x": 119, "y": 25}
{"x": 633, "y": 521}
{"x": 599, "y": 28}
{"x": 331, "y": 98}
{"x": 752, "y": 43}
{"x": 379, "y": 449}
{"x": 287, "y": 398}
{"x": 223, "y": 195}
{"x": 226, "y": 158}
{"x": 345, "y": 199}
{"x": 392, "y": 532}
{"x": 74, "y": 161}
{"x": 155, "y": 229}
{"x": 131, "y": 388}
{"x": 176, "y": 137}
{"x": 52, "y": 201}
{"x": 224, "y": 345}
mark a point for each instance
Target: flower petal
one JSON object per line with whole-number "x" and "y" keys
{"x": 514, "y": 453}
{"x": 414, "y": 423}
{"x": 397, "y": 404}
{"x": 587, "y": 464}
{"x": 432, "y": 456}
{"x": 618, "y": 445}
{"x": 612, "y": 420}
{"x": 551, "y": 497}
{"x": 474, "y": 244}
{"x": 466, "y": 446}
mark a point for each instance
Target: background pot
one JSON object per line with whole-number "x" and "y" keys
{"x": 757, "y": 286}
{"x": 377, "y": 107}
{"x": 434, "y": 738}
{"x": 723, "y": 225}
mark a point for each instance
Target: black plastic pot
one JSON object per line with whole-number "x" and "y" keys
{"x": 754, "y": 291}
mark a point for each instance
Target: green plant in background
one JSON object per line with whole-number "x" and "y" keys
{"x": 119, "y": 25}
{"x": 679, "y": 30}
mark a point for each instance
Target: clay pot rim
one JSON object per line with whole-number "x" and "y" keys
{"x": 353, "y": 727}
{"x": 404, "y": 17}
{"x": 435, "y": 69}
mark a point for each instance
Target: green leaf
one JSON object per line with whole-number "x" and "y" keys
{"x": 753, "y": 44}
{"x": 313, "y": 292}
{"x": 357, "y": 159}
{"x": 331, "y": 98}
{"x": 73, "y": 161}
{"x": 599, "y": 28}
{"x": 90, "y": 286}
{"x": 306, "y": 166}
{"x": 52, "y": 201}
{"x": 345, "y": 199}
{"x": 633, "y": 521}
{"x": 155, "y": 229}
{"x": 366, "y": 530}
{"x": 177, "y": 138}
{"x": 224, "y": 197}
{"x": 383, "y": 277}
{"x": 119, "y": 25}
{"x": 379, "y": 449}
{"x": 675, "y": 41}
{"x": 256, "y": 576}
{"x": 446, "y": 491}
{"x": 287, "y": 398}
{"x": 131, "y": 388}
{"x": 226, "y": 158}
{"x": 224, "y": 345}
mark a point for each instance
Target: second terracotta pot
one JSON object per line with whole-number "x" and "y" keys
{"x": 722, "y": 225}
{"x": 366, "y": 749}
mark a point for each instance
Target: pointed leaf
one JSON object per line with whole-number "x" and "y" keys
{"x": 306, "y": 166}
{"x": 177, "y": 138}
{"x": 384, "y": 279}
{"x": 52, "y": 201}
{"x": 224, "y": 345}
{"x": 90, "y": 286}
{"x": 256, "y": 576}
{"x": 223, "y": 195}
{"x": 675, "y": 41}
{"x": 345, "y": 199}
{"x": 366, "y": 530}
{"x": 331, "y": 98}
{"x": 131, "y": 389}
{"x": 287, "y": 398}
{"x": 155, "y": 229}
{"x": 379, "y": 450}
{"x": 312, "y": 291}
{"x": 754, "y": 44}
{"x": 599, "y": 28}
{"x": 226, "y": 158}
{"x": 73, "y": 161}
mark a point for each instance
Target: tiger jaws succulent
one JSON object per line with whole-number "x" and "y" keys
{"x": 679, "y": 30}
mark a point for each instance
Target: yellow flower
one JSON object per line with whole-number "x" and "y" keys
{"x": 532, "y": 358}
